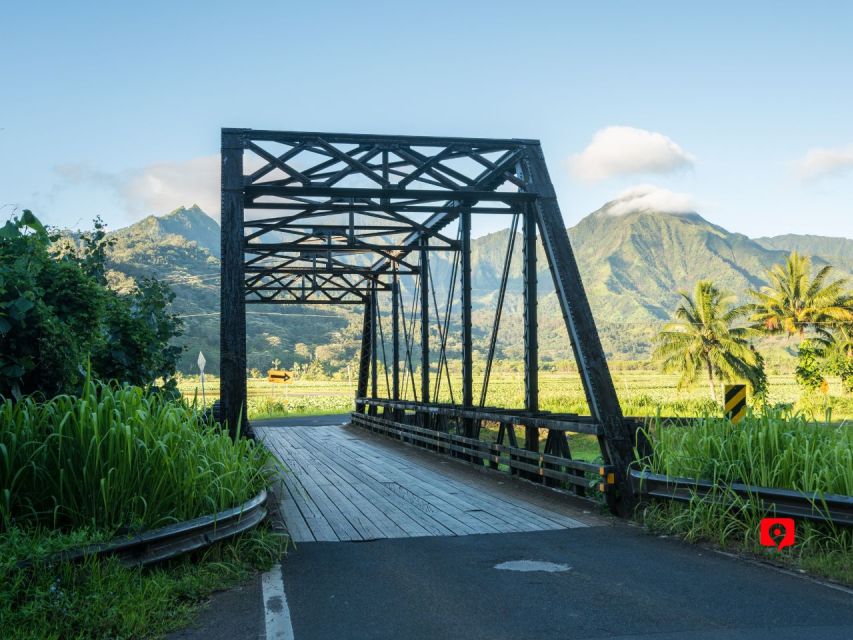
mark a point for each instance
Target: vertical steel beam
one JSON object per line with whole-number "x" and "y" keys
{"x": 531, "y": 327}
{"x": 365, "y": 353}
{"x": 232, "y": 319}
{"x": 395, "y": 336}
{"x": 424, "y": 243}
{"x": 467, "y": 342}
{"x": 617, "y": 439}
{"x": 374, "y": 340}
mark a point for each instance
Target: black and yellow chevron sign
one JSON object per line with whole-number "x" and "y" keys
{"x": 735, "y": 402}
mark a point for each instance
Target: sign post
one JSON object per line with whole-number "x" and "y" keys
{"x": 201, "y": 362}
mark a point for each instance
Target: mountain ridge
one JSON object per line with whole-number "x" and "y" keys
{"x": 632, "y": 263}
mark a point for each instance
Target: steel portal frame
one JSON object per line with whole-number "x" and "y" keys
{"x": 323, "y": 218}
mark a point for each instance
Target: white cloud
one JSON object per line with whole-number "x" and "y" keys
{"x": 647, "y": 197}
{"x": 163, "y": 186}
{"x": 159, "y": 187}
{"x": 819, "y": 163}
{"x": 616, "y": 151}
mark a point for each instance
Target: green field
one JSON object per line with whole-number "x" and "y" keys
{"x": 642, "y": 393}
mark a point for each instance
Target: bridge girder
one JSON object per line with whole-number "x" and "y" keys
{"x": 324, "y": 218}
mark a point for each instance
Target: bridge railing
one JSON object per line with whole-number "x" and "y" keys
{"x": 486, "y": 436}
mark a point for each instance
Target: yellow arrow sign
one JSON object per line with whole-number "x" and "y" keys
{"x": 278, "y": 375}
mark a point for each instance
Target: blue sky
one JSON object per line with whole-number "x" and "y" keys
{"x": 742, "y": 112}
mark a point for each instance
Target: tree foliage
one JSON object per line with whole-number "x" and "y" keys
{"x": 794, "y": 302}
{"x": 703, "y": 341}
{"x": 58, "y": 317}
{"x": 818, "y": 312}
{"x": 838, "y": 355}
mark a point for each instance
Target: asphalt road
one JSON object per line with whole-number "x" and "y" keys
{"x": 614, "y": 581}
{"x": 620, "y": 583}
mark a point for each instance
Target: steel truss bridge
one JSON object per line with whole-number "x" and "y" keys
{"x": 350, "y": 219}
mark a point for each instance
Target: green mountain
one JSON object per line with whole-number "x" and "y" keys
{"x": 835, "y": 251}
{"x": 633, "y": 265}
{"x": 182, "y": 249}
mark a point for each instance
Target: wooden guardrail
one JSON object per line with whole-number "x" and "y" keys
{"x": 553, "y": 469}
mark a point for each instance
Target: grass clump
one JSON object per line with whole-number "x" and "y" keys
{"x": 119, "y": 458}
{"x": 820, "y": 548}
{"x": 100, "y": 598}
{"x": 778, "y": 450}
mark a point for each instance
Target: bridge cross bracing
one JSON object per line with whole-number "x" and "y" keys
{"x": 349, "y": 219}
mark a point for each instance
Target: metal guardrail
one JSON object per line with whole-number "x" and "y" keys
{"x": 173, "y": 540}
{"x": 835, "y": 509}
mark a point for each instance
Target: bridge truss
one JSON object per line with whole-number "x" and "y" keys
{"x": 385, "y": 222}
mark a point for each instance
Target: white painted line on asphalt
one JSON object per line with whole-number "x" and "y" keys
{"x": 532, "y": 565}
{"x": 276, "y": 611}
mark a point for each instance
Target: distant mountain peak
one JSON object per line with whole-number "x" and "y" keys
{"x": 192, "y": 211}
{"x": 190, "y": 223}
{"x": 647, "y": 198}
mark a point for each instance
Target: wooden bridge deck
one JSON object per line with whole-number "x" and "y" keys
{"x": 346, "y": 484}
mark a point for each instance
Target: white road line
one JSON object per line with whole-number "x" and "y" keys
{"x": 276, "y": 611}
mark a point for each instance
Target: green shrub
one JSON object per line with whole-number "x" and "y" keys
{"x": 57, "y": 314}
{"x": 119, "y": 457}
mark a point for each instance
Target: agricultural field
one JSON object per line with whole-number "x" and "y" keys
{"x": 641, "y": 392}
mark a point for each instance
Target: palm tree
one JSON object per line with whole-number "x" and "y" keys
{"x": 703, "y": 341}
{"x": 793, "y": 302}
{"x": 838, "y": 353}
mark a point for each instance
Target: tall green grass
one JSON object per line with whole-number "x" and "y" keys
{"x": 118, "y": 458}
{"x": 776, "y": 449}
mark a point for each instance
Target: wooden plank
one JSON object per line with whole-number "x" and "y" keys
{"x": 297, "y": 526}
{"x": 355, "y": 489}
{"x": 403, "y": 518}
{"x": 363, "y": 524}
{"x": 493, "y": 512}
{"x": 531, "y": 512}
{"x": 430, "y": 527}
{"x": 365, "y": 516}
{"x": 526, "y": 454}
{"x": 434, "y": 520}
{"x": 465, "y": 505}
{"x": 316, "y": 520}
{"x": 458, "y": 522}
{"x": 330, "y": 503}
